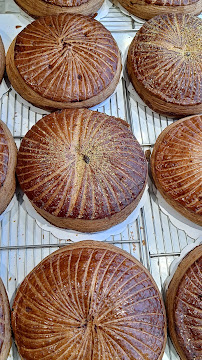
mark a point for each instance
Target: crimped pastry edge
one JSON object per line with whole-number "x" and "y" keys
{"x": 9, "y": 185}
{"x": 37, "y": 100}
{"x": 183, "y": 211}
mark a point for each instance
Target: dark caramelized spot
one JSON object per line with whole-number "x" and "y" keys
{"x": 86, "y": 159}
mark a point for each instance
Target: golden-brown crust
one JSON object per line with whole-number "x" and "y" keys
{"x": 48, "y": 7}
{"x": 164, "y": 64}
{"x": 100, "y": 301}
{"x": 184, "y": 306}
{"x": 81, "y": 70}
{"x": 5, "y": 327}
{"x": 147, "y": 9}
{"x": 2, "y": 59}
{"x": 82, "y": 167}
{"x": 8, "y": 160}
{"x": 176, "y": 166}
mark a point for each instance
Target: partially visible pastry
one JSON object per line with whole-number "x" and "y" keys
{"x": 176, "y": 165}
{"x": 184, "y": 306}
{"x": 82, "y": 169}
{"x": 64, "y": 61}
{"x": 8, "y": 160}
{"x": 39, "y": 8}
{"x": 146, "y": 9}
{"x": 5, "y": 326}
{"x": 88, "y": 301}
{"x": 165, "y": 64}
{"x": 2, "y": 59}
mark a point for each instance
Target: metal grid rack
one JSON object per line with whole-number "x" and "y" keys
{"x": 152, "y": 238}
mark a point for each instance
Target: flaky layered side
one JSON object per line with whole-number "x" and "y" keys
{"x": 164, "y": 64}
{"x": 176, "y": 165}
{"x": 184, "y": 306}
{"x": 82, "y": 169}
{"x": 147, "y": 9}
{"x": 8, "y": 160}
{"x": 39, "y": 8}
{"x": 64, "y": 61}
{"x": 90, "y": 301}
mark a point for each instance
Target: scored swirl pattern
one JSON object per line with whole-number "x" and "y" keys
{"x": 66, "y": 58}
{"x": 4, "y": 156}
{"x": 80, "y": 163}
{"x": 166, "y": 57}
{"x": 178, "y": 163}
{"x": 188, "y": 311}
{"x": 88, "y": 304}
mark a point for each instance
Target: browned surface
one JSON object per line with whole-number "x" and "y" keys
{"x": 81, "y": 164}
{"x": 165, "y": 60}
{"x": 4, "y": 155}
{"x": 89, "y": 301}
{"x": 2, "y": 59}
{"x": 146, "y": 9}
{"x": 184, "y": 306}
{"x": 8, "y": 159}
{"x": 66, "y": 2}
{"x": 176, "y": 165}
{"x": 39, "y": 8}
{"x": 66, "y": 58}
{"x": 5, "y": 328}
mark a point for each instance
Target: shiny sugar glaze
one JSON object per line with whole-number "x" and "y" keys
{"x": 89, "y": 303}
{"x": 165, "y": 56}
{"x": 66, "y": 58}
{"x": 81, "y": 164}
{"x": 4, "y": 156}
{"x": 188, "y": 312}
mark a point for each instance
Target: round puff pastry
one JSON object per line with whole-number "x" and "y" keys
{"x": 89, "y": 301}
{"x": 5, "y": 326}
{"x": 176, "y": 165}
{"x": 184, "y": 306}
{"x": 38, "y": 8}
{"x": 165, "y": 64}
{"x": 147, "y": 9}
{"x": 82, "y": 169}
{"x": 64, "y": 61}
{"x": 8, "y": 160}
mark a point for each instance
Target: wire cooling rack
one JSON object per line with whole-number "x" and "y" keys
{"x": 152, "y": 238}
